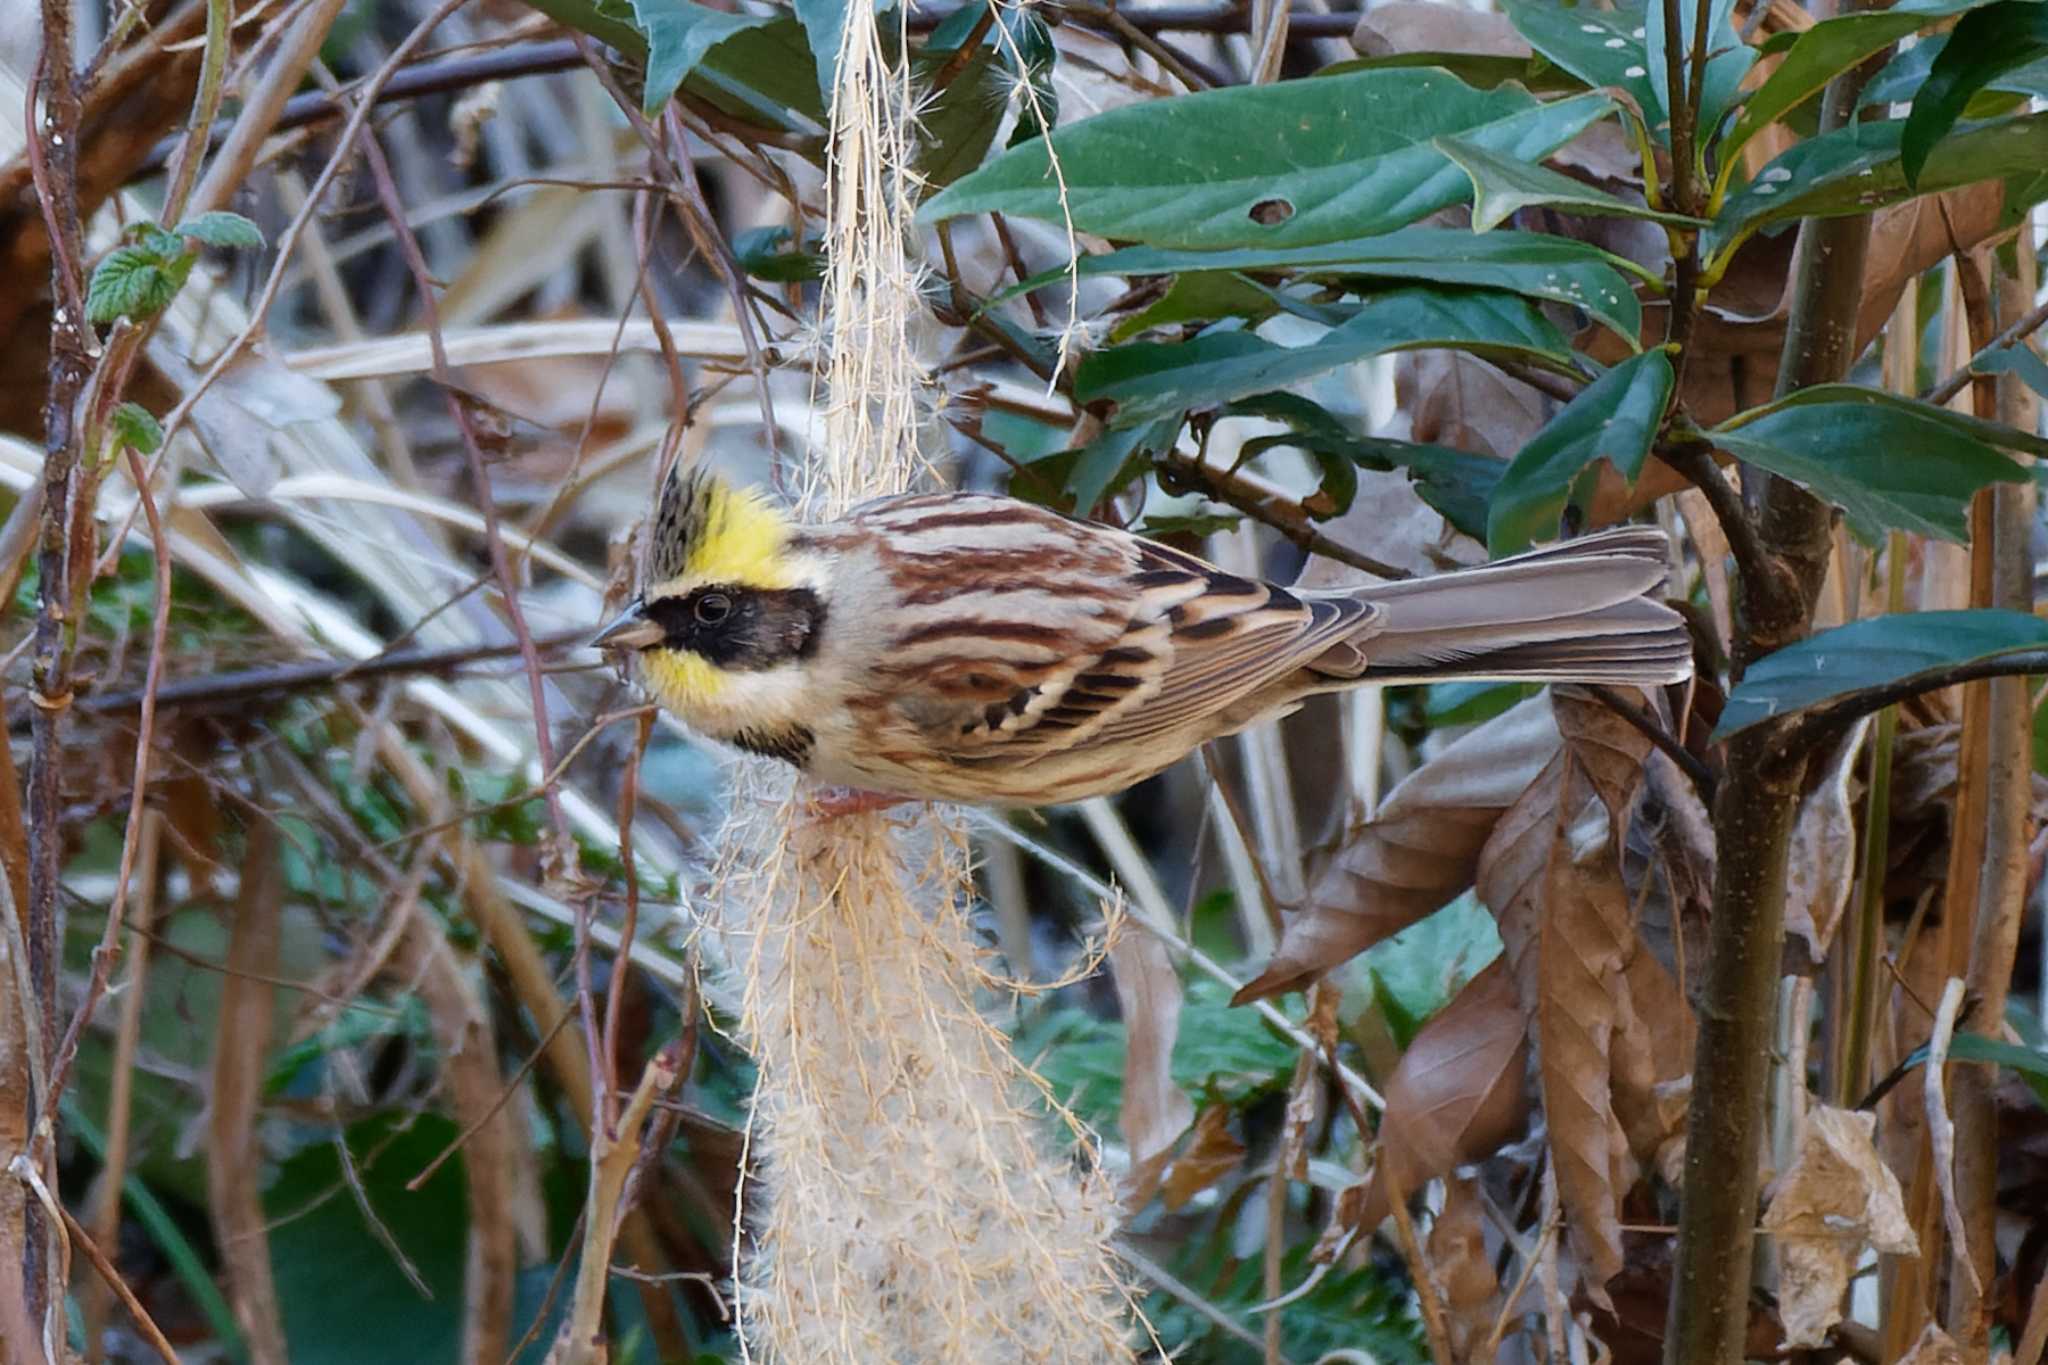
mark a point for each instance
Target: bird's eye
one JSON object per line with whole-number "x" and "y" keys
{"x": 712, "y": 608}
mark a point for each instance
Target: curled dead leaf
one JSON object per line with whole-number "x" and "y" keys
{"x": 1420, "y": 851}
{"x": 1212, "y": 1152}
{"x": 1822, "y": 865}
{"x": 1837, "y": 1199}
{"x": 1459, "y": 1092}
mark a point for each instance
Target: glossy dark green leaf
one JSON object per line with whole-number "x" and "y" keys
{"x": 1301, "y": 161}
{"x": 1199, "y": 296}
{"x": 1824, "y": 51}
{"x": 824, "y": 23}
{"x": 1148, "y": 381}
{"x": 1961, "y": 423}
{"x": 1986, "y": 44}
{"x": 763, "y": 74}
{"x": 610, "y": 23}
{"x": 1615, "y": 418}
{"x": 1115, "y": 458}
{"x": 1728, "y": 61}
{"x": 765, "y": 254}
{"x": 1877, "y": 652}
{"x": 958, "y": 126}
{"x": 1857, "y": 169}
{"x": 679, "y": 34}
{"x": 1887, "y": 469}
{"x": 1602, "y": 47}
{"x": 1457, "y": 483}
{"x": 1501, "y": 186}
{"x": 1534, "y": 264}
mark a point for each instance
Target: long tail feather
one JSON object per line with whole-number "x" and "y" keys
{"x": 1579, "y": 611}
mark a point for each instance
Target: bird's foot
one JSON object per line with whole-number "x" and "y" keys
{"x": 832, "y": 803}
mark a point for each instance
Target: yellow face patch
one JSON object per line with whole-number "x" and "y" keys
{"x": 686, "y": 683}
{"x": 741, "y": 540}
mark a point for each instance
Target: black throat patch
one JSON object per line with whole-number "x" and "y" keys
{"x": 792, "y": 745}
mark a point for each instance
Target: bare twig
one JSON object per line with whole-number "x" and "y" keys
{"x": 145, "y": 1325}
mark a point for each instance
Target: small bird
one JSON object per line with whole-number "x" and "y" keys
{"x": 974, "y": 648}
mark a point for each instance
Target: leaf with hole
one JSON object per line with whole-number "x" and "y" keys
{"x": 1832, "y": 665}
{"x": 1987, "y": 44}
{"x": 1885, "y": 468}
{"x": 1318, "y": 160}
{"x": 1615, "y": 418}
{"x": 1150, "y": 381}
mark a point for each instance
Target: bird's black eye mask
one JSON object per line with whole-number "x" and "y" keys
{"x": 746, "y": 629}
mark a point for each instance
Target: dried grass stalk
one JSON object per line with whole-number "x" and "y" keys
{"x": 907, "y": 1208}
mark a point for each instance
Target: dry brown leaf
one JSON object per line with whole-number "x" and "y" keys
{"x": 1837, "y": 1199}
{"x": 1453, "y": 400}
{"x": 1155, "y": 1111}
{"x": 1941, "y": 1127}
{"x": 1653, "y": 1047}
{"x": 1606, "y": 746}
{"x": 1586, "y": 933}
{"x": 1466, "y": 1284}
{"x": 1213, "y": 1152}
{"x": 1935, "y": 1347}
{"x": 1514, "y": 865}
{"x": 1413, "y": 26}
{"x": 1668, "y": 866}
{"x": 1822, "y": 865}
{"x": 1459, "y": 1092}
{"x": 1422, "y": 850}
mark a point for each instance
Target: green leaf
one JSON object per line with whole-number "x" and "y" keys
{"x": 1886, "y": 468}
{"x": 1502, "y": 185}
{"x": 222, "y": 229}
{"x": 1471, "y": 703}
{"x": 135, "y": 427}
{"x": 2017, "y": 359}
{"x": 1615, "y": 418}
{"x": 1873, "y": 653}
{"x": 1728, "y": 61}
{"x": 763, "y": 74}
{"x": 1534, "y": 264}
{"x": 1199, "y": 296}
{"x": 132, "y": 282}
{"x": 762, "y": 252}
{"x": 958, "y": 126}
{"x": 1857, "y": 169}
{"x": 1987, "y": 43}
{"x": 603, "y": 21}
{"x": 1151, "y": 381}
{"x": 1961, "y": 423}
{"x": 1457, "y": 483}
{"x": 824, "y": 23}
{"x": 1115, "y": 458}
{"x": 344, "y": 1298}
{"x": 1602, "y": 47}
{"x": 1824, "y": 51}
{"x": 679, "y": 35}
{"x": 1316, "y": 160}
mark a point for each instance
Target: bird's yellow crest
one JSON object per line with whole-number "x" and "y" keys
{"x": 707, "y": 531}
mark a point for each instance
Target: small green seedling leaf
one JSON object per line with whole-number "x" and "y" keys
{"x": 134, "y": 426}
{"x": 134, "y": 282}
{"x": 222, "y": 229}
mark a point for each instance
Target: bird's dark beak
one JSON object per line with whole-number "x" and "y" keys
{"x": 630, "y": 629}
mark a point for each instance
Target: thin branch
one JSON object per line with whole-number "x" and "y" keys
{"x": 1703, "y": 779}
{"x": 2012, "y": 336}
{"x": 241, "y": 686}
{"x": 1695, "y": 461}
{"x": 1269, "y": 508}
{"x": 145, "y": 1325}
